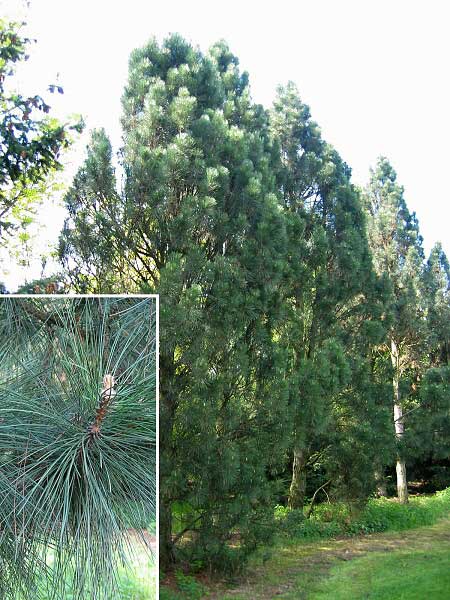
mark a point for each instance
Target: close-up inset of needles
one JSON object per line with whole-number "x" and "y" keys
{"x": 77, "y": 443}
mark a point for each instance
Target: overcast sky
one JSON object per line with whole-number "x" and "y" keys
{"x": 374, "y": 73}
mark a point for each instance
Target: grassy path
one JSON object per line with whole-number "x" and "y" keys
{"x": 412, "y": 564}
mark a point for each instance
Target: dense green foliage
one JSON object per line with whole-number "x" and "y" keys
{"x": 296, "y": 310}
{"x": 182, "y": 226}
{"x": 332, "y": 300}
{"x": 77, "y": 441}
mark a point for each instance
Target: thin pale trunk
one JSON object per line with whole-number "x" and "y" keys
{"x": 402, "y": 486}
{"x": 298, "y": 483}
{"x": 313, "y": 499}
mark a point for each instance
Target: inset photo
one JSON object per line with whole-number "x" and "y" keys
{"x": 78, "y": 445}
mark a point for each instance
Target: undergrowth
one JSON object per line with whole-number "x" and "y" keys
{"x": 188, "y": 588}
{"x": 378, "y": 515}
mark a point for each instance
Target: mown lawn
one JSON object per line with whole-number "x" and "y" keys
{"x": 413, "y": 574}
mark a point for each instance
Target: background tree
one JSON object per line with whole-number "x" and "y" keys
{"x": 328, "y": 275}
{"x": 437, "y": 298}
{"x": 92, "y": 245}
{"x": 30, "y": 142}
{"x": 396, "y": 247}
{"x": 429, "y": 447}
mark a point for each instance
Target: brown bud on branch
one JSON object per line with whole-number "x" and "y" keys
{"x": 106, "y": 397}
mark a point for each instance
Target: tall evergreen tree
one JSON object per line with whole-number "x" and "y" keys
{"x": 199, "y": 223}
{"x": 437, "y": 298}
{"x": 247, "y": 225}
{"x": 430, "y": 447}
{"x": 328, "y": 273}
{"x": 396, "y": 247}
{"x": 92, "y": 239}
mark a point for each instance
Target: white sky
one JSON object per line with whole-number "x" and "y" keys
{"x": 374, "y": 73}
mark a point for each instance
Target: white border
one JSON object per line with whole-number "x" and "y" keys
{"x": 83, "y": 296}
{"x": 157, "y": 446}
{"x": 156, "y": 296}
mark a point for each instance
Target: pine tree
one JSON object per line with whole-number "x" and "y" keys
{"x": 431, "y": 420}
{"x": 437, "y": 298}
{"x": 327, "y": 274}
{"x": 398, "y": 256}
{"x": 199, "y": 223}
{"x": 77, "y": 442}
{"x": 91, "y": 242}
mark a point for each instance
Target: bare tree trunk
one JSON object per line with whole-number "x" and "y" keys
{"x": 313, "y": 499}
{"x": 402, "y": 486}
{"x": 298, "y": 483}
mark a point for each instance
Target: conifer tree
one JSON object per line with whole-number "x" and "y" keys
{"x": 437, "y": 298}
{"x": 247, "y": 225}
{"x": 396, "y": 247}
{"x": 431, "y": 420}
{"x": 328, "y": 273}
{"x": 199, "y": 223}
{"x": 91, "y": 243}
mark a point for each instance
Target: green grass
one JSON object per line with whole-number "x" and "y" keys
{"x": 405, "y": 575}
{"x": 385, "y": 566}
{"x": 188, "y": 588}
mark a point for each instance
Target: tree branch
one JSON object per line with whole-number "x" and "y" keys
{"x": 313, "y": 499}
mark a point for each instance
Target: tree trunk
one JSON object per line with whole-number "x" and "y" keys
{"x": 402, "y": 486}
{"x": 298, "y": 483}
{"x": 166, "y": 556}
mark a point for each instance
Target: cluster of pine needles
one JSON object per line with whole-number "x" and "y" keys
{"x": 77, "y": 442}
